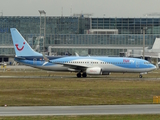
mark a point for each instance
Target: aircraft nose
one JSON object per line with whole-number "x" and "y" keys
{"x": 154, "y": 67}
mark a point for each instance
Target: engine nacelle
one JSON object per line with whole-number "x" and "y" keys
{"x": 94, "y": 71}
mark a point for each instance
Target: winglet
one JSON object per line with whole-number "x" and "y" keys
{"x": 46, "y": 59}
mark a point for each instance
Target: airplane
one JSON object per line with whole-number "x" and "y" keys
{"x": 83, "y": 65}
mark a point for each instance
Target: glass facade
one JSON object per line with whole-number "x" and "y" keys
{"x": 128, "y": 25}
{"x": 87, "y": 51}
{"x": 66, "y": 35}
{"x": 54, "y": 25}
{"x": 101, "y": 40}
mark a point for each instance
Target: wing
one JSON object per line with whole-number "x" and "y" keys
{"x": 72, "y": 67}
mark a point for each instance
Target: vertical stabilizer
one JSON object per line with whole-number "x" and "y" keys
{"x": 156, "y": 44}
{"x": 22, "y": 48}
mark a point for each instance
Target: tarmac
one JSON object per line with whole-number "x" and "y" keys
{"x": 80, "y": 110}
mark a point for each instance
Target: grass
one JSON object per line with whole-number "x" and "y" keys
{"x": 66, "y": 89}
{"x": 22, "y": 92}
{"x": 70, "y": 90}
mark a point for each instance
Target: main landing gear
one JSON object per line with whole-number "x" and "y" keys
{"x": 84, "y": 74}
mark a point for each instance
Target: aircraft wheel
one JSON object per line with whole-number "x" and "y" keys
{"x": 140, "y": 76}
{"x": 79, "y": 75}
{"x": 84, "y": 74}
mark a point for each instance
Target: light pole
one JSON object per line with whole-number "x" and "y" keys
{"x": 43, "y": 27}
{"x": 144, "y": 29}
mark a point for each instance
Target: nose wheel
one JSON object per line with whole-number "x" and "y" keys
{"x": 140, "y": 76}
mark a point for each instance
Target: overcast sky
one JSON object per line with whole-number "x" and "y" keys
{"x": 99, "y": 8}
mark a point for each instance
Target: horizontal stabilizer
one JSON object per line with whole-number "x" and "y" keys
{"x": 22, "y": 58}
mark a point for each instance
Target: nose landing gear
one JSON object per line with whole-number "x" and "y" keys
{"x": 140, "y": 76}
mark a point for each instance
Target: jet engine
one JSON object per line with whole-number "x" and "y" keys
{"x": 94, "y": 71}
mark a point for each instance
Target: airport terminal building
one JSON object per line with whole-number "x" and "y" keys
{"x": 84, "y": 35}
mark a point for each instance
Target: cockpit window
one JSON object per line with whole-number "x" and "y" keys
{"x": 146, "y": 62}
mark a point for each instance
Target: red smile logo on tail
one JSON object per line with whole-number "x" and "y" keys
{"x": 19, "y": 49}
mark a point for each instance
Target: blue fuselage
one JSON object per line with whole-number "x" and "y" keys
{"x": 107, "y": 64}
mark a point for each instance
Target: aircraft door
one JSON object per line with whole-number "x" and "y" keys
{"x": 137, "y": 64}
{"x": 35, "y": 61}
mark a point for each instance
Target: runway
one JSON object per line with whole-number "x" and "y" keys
{"x": 74, "y": 77}
{"x": 80, "y": 110}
